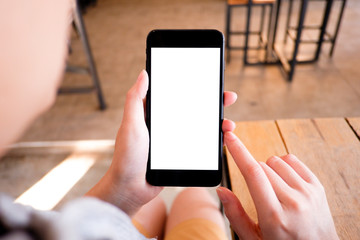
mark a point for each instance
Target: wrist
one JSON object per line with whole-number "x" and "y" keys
{"x": 110, "y": 189}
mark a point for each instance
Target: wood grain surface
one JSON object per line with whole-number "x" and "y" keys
{"x": 329, "y": 147}
{"x": 355, "y": 125}
{"x": 332, "y": 151}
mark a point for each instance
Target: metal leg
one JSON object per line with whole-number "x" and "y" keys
{"x": 323, "y": 28}
{"x": 269, "y": 24}
{"x": 337, "y": 28}
{"x": 288, "y": 20}
{"x": 227, "y": 34}
{"x": 276, "y": 21}
{"x": 262, "y": 24}
{"x": 92, "y": 68}
{"x": 298, "y": 37}
{"x": 268, "y": 41}
{"x": 247, "y": 32}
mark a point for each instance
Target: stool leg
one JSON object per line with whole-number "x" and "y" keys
{"x": 288, "y": 20}
{"x": 247, "y": 32}
{"x": 268, "y": 41}
{"x": 298, "y": 38}
{"x": 337, "y": 28}
{"x": 262, "y": 24}
{"x": 92, "y": 68}
{"x": 323, "y": 28}
{"x": 276, "y": 21}
{"x": 227, "y": 34}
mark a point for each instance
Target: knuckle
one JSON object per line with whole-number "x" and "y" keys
{"x": 320, "y": 188}
{"x": 254, "y": 170}
{"x": 275, "y": 219}
{"x": 271, "y": 159}
{"x": 307, "y": 192}
{"x": 318, "y": 194}
{"x": 313, "y": 192}
{"x": 316, "y": 183}
{"x": 291, "y": 156}
{"x": 300, "y": 205}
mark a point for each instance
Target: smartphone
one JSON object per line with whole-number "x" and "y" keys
{"x": 184, "y": 107}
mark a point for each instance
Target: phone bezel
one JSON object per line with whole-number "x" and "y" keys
{"x": 187, "y": 39}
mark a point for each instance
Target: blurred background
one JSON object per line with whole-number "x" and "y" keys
{"x": 69, "y": 148}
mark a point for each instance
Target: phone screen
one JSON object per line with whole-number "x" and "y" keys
{"x": 185, "y": 112}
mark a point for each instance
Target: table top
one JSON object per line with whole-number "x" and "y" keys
{"x": 330, "y": 147}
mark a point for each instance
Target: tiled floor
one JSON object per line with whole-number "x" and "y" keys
{"x": 117, "y": 32}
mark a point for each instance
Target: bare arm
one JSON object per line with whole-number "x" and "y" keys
{"x": 33, "y": 37}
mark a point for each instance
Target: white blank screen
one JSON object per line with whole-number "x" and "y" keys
{"x": 185, "y": 89}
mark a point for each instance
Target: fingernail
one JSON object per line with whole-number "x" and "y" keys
{"x": 221, "y": 195}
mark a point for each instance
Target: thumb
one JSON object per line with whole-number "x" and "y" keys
{"x": 134, "y": 105}
{"x": 240, "y": 222}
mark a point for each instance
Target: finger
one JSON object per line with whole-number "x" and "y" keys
{"x": 228, "y": 125}
{"x": 282, "y": 190}
{"x": 144, "y": 106}
{"x": 259, "y": 185}
{"x": 286, "y": 172}
{"x": 229, "y": 98}
{"x": 240, "y": 222}
{"x": 134, "y": 104}
{"x": 300, "y": 168}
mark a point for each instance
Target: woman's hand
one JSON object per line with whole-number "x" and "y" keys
{"x": 124, "y": 184}
{"x": 289, "y": 199}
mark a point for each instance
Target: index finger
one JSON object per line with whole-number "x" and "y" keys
{"x": 259, "y": 185}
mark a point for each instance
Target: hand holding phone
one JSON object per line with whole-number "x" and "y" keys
{"x": 124, "y": 184}
{"x": 184, "y": 111}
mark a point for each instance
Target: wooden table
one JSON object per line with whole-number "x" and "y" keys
{"x": 329, "y": 147}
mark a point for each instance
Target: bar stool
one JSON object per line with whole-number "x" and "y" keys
{"x": 79, "y": 26}
{"x": 262, "y": 43}
{"x": 324, "y": 35}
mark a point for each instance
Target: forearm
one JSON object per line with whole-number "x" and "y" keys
{"x": 34, "y": 34}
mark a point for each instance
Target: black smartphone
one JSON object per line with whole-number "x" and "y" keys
{"x": 184, "y": 107}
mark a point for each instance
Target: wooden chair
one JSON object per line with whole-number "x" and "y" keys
{"x": 262, "y": 44}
